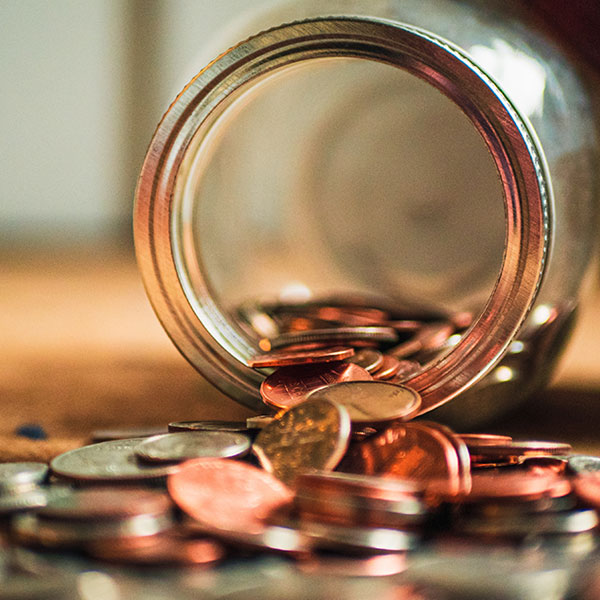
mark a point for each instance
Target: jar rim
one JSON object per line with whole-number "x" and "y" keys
{"x": 190, "y": 315}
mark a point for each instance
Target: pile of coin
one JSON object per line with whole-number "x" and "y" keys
{"x": 342, "y": 469}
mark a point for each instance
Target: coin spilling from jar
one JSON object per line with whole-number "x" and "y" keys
{"x": 341, "y": 469}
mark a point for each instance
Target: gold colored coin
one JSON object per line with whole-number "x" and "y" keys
{"x": 312, "y": 436}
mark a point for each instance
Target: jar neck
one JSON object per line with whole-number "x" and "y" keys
{"x": 173, "y": 275}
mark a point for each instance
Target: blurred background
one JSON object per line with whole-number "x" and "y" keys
{"x": 83, "y": 86}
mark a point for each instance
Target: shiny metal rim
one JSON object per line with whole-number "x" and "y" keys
{"x": 194, "y": 322}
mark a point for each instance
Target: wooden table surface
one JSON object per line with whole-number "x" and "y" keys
{"x": 82, "y": 350}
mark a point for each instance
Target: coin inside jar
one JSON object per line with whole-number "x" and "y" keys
{"x": 312, "y": 436}
{"x": 373, "y": 402}
{"x": 289, "y": 386}
{"x": 300, "y": 357}
{"x": 185, "y": 445}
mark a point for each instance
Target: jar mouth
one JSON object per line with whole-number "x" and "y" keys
{"x": 183, "y": 298}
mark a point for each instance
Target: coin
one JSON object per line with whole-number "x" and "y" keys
{"x": 587, "y": 489}
{"x": 367, "y": 358}
{"x": 337, "y": 334}
{"x": 389, "y": 367}
{"x": 300, "y": 357}
{"x": 411, "y": 451}
{"x": 107, "y": 461}
{"x": 160, "y": 549}
{"x": 226, "y": 494}
{"x": 405, "y": 369}
{"x": 568, "y": 522}
{"x": 21, "y": 475}
{"x": 259, "y": 421}
{"x": 580, "y": 464}
{"x": 232, "y": 426}
{"x": 516, "y": 451}
{"x": 474, "y": 440}
{"x": 289, "y": 386}
{"x": 312, "y": 436}
{"x": 185, "y": 445}
{"x": 372, "y": 402}
{"x": 32, "y": 530}
{"x": 369, "y": 540}
{"x": 105, "y": 435}
{"x": 105, "y": 503}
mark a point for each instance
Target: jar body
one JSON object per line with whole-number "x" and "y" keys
{"x": 437, "y": 156}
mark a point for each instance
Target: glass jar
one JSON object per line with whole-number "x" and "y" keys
{"x": 434, "y": 156}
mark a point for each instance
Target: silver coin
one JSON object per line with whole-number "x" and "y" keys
{"x": 568, "y": 522}
{"x": 336, "y": 334}
{"x": 21, "y": 474}
{"x": 232, "y": 426}
{"x": 581, "y": 464}
{"x": 185, "y": 445}
{"x": 366, "y": 539}
{"x": 31, "y": 499}
{"x": 31, "y": 530}
{"x": 107, "y": 461}
{"x": 372, "y": 402}
{"x": 106, "y": 435}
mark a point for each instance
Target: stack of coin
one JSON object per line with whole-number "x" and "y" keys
{"x": 82, "y": 517}
{"x": 21, "y": 486}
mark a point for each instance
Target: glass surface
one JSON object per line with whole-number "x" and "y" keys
{"x": 344, "y": 176}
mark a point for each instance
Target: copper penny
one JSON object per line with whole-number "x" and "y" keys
{"x": 389, "y": 367}
{"x": 545, "y": 465}
{"x": 587, "y": 489}
{"x": 515, "y": 486}
{"x": 516, "y": 451}
{"x": 372, "y": 402}
{"x": 406, "y": 369}
{"x": 312, "y": 436}
{"x": 367, "y": 358}
{"x": 289, "y": 386}
{"x": 462, "y": 320}
{"x": 413, "y": 451}
{"x": 301, "y": 357}
{"x": 227, "y": 494}
{"x": 474, "y": 440}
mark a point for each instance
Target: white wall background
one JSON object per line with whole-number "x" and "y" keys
{"x": 83, "y": 84}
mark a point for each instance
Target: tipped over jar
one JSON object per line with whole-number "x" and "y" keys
{"x": 427, "y": 162}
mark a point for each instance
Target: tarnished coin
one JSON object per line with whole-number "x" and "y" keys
{"x": 367, "y": 358}
{"x": 405, "y": 369}
{"x": 161, "y": 549}
{"x": 312, "y": 436}
{"x": 226, "y": 494}
{"x": 107, "y": 461}
{"x": 105, "y": 503}
{"x": 580, "y": 464}
{"x": 185, "y": 445}
{"x": 232, "y": 426}
{"x": 21, "y": 475}
{"x": 333, "y": 335}
{"x": 31, "y": 499}
{"x": 417, "y": 451}
{"x": 289, "y": 386}
{"x": 372, "y": 402}
{"x": 300, "y": 357}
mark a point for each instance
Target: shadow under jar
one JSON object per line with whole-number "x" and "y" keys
{"x": 432, "y": 161}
